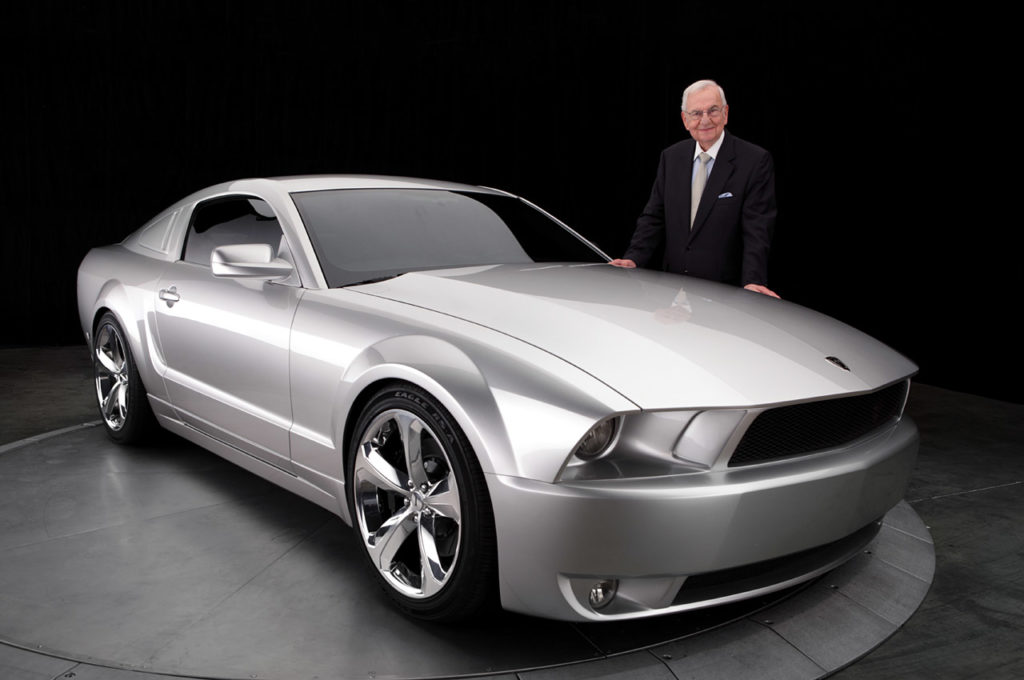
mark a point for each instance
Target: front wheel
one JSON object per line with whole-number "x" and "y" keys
{"x": 420, "y": 507}
{"x": 119, "y": 392}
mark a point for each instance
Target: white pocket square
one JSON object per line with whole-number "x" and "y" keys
{"x": 727, "y": 194}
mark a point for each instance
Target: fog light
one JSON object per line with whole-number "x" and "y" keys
{"x": 602, "y": 593}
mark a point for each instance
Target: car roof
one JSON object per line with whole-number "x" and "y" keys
{"x": 300, "y": 183}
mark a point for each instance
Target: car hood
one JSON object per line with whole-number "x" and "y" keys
{"x": 661, "y": 340}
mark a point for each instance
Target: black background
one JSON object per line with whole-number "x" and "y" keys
{"x": 891, "y": 169}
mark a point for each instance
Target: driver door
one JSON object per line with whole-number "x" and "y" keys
{"x": 225, "y": 341}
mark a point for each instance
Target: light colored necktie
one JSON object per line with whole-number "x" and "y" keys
{"x": 700, "y": 178}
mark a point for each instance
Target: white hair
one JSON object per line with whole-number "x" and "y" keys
{"x": 702, "y": 85}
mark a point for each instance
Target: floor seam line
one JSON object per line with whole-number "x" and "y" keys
{"x": 966, "y": 493}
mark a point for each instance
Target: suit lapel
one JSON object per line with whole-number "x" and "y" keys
{"x": 720, "y": 173}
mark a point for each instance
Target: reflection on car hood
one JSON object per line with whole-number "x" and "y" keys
{"x": 661, "y": 340}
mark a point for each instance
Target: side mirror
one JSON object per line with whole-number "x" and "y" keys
{"x": 248, "y": 261}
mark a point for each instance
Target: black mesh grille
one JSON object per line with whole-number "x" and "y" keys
{"x": 804, "y": 428}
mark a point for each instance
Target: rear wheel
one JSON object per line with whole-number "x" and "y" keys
{"x": 119, "y": 392}
{"x": 420, "y": 507}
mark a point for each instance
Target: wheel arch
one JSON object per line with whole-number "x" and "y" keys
{"x": 116, "y": 280}
{"x": 443, "y": 371}
{"x": 101, "y": 311}
{"x": 112, "y": 299}
{"x": 115, "y": 298}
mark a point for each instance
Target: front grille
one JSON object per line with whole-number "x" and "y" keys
{"x": 805, "y": 428}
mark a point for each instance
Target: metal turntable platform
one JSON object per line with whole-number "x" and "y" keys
{"x": 167, "y": 560}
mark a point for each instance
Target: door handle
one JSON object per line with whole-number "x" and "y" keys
{"x": 169, "y": 295}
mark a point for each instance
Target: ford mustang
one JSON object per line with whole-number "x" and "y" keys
{"x": 500, "y": 415}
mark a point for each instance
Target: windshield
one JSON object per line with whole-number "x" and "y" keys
{"x": 368, "y": 234}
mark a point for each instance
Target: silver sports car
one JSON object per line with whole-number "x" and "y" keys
{"x": 495, "y": 410}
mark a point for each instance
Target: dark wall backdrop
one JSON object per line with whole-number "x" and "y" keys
{"x": 117, "y": 109}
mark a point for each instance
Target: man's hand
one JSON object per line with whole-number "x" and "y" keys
{"x": 627, "y": 264}
{"x": 764, "y": 290}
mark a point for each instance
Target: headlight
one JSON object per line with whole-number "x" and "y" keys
{"x": 628, "y": 445}
{"x": 598, "y": 440}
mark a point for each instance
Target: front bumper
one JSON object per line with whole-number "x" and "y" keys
{"x": 650, "y": 534}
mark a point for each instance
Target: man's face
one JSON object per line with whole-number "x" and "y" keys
{"x": 712, "y": 116}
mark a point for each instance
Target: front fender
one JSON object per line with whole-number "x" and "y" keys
{"x": 521, "y": 408}
{"x": 521, "y": 419}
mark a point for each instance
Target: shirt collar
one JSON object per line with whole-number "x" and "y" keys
{"x": 713, "y": 151}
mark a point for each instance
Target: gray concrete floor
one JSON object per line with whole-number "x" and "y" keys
{"x": 968, "y": 488}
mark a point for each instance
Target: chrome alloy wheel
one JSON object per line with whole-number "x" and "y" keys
{"x": 407, "y": 503}
{"x": 112, "y": 376}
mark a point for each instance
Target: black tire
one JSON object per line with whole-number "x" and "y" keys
{"x": 424, "y": 521}
{"x": 120, "y": 394}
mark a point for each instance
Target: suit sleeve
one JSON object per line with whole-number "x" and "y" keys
{"x": 758, "y": 222}
{"x": 650, "y": 226}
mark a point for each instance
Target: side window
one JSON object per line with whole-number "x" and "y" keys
{"x": 231, "y": 220}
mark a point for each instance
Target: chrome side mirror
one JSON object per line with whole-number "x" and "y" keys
{"x": 249, "y": 261}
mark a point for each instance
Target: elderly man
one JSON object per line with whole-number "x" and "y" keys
{"x": 712, "y": 206}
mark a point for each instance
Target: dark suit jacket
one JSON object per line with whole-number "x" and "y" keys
{"x": 732, "y": 230}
